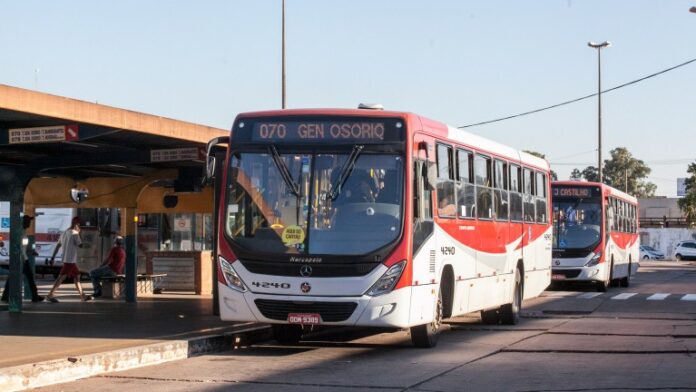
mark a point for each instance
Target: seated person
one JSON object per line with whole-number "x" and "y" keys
{"x": 112, "y": 266}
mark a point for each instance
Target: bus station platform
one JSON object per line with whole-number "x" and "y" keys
{"x": 51, "y": 343}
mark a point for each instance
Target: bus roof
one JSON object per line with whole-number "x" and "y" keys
{"x": 445, "y": 131}
{"x": 606, "y": 189}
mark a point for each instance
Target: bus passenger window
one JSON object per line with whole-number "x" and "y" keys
{"x": 501, "y": 204}
{"x": 529, "y": 190}
{"x": 516, "y": 193}
{"x": 541, "y": 203}
{"x": 484, "y": 200}
{"x": 466, "y": 191}
{"x": 446, "y": 203}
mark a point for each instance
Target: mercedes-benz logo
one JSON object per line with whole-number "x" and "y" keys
{"x": 305, "y": 287}
{"x": 557, "y": 262}
{"x": 305, "y": 270}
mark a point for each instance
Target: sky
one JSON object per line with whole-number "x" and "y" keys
{"x": 459, "y": 62}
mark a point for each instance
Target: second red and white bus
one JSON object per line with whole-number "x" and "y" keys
{"x": 376, "y": 218}
{"x": 595, "y": 234}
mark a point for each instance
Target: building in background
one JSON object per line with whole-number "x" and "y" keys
{"x": 663, "y": 224}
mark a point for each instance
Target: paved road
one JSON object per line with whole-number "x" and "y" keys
{"x": 570, "y": 339}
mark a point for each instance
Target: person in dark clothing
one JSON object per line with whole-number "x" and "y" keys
{"x": 26, "y": 268}
{"x": 111, "y": 267}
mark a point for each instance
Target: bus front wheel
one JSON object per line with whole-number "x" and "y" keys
{"x": 287, "y": 333}
{"x": 425, "y": 336}
{"x": 604, "y": 285}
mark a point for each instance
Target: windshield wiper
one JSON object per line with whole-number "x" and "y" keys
{"x": 284, "y": 172}
{"x": 346, "y": 171}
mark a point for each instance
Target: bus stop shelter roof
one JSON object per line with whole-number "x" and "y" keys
{"x": 51, "y": 135}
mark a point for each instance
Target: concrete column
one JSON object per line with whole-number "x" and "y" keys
{"x": 31, "y": 259}
{"x": 129, "y": 234}
{"x": 15, "y": 275}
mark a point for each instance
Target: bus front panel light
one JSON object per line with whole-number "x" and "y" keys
{"x": 387, "y": 282}
{"x": 231, "y": 277}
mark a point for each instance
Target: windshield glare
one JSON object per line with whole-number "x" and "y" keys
{"x": 265, "y": 215}
{"x": 576, "y": 223}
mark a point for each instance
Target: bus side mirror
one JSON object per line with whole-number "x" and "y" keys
{"x": 211, "y": 161}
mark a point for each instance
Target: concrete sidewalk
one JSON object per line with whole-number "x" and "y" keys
{"x": 57, "y": 342}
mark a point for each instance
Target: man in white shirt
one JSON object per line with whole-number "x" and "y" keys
{"x": 70, "y": 240}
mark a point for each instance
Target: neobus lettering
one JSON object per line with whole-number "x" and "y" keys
{"x": 357, "y": 131}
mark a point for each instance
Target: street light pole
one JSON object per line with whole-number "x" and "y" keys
{"x": 599, "y": 48}
{"x": 283, "y": 59}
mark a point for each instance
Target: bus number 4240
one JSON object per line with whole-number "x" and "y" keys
{"x": 447, "y": 250}
{"x": 267, "y": 285}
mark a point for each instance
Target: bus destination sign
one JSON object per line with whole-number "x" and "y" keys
{"x": 358, "y": 131}
{"x": 575, "y": 191}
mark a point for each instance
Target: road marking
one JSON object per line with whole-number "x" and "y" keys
{"x": 689, "y": 297}
{"x": 588, "y": 295}
{"x": 623, "y": 296}
{"x": 560, "y": 293}
{"x": 658, "y": 297}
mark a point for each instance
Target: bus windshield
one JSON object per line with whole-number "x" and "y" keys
{"x": 314, "y": 203}
{"x": 576, "y": 223}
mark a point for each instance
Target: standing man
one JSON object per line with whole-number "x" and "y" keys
{"x": 70, "y": 240}
{"x": 112, "y": 266}
{"x": 26, "y": 268}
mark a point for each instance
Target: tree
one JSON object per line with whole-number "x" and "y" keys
{"x": 575, "y": 174}
{"x": 623, "y": 172}
{"x": 688, "y": 203}
{"x": 628, "y": 174}
{"x": 554, "y": 176}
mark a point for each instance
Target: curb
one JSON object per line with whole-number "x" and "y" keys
{"x": 39, "y": 374}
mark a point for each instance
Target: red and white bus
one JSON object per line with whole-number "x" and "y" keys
{"x": 376, "y": 218}
{"x": 595, "y": 234}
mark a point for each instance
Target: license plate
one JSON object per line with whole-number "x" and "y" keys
{"x": 558, "y": 277}
{"x": 304, "y": 318}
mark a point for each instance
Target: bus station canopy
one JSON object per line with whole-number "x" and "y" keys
{"x": 48, "y": 135}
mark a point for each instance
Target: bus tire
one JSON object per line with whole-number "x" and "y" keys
{"x": 425, "y": 336}
{"x": 604, "y": 285}
{"x": 491, "y": 317}
{"x": 626, "y": 281}
{"x": 510, "y": 313}
{"x": 286, "y": 333}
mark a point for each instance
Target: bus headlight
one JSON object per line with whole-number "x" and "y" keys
{"x": 594, "y": 260}
{"x": 233, "y": 280}
{"x": 387, "y": 282}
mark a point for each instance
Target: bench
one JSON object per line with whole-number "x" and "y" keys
{"x": 115, "y": 287}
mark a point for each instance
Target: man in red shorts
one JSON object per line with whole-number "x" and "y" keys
{"x": 70, "y": 240}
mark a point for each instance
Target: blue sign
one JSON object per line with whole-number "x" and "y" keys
{"x": 5, "y": 223}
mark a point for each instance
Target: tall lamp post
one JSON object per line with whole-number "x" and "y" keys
{"x": 599, "y": 48}
{"x": 283, "y": 59}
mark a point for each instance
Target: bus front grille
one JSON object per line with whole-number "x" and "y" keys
{"x": 329, "y": 311}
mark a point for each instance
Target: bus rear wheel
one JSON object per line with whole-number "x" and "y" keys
{"x": 287, "y": 333}
{"x": 425, "y": 336}
{"x": 510, "y": 313}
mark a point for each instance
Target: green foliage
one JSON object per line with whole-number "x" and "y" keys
{"x": 688, "y": 203}
{"x": 623, "y": 172}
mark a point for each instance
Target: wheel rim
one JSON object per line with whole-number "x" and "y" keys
{"x": 437, "y": 320}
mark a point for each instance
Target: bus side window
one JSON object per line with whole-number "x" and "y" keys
{"x": 501, "y": 190}
{"x": 446, "y": 203}
{"x": 466, "y": 191}
{"x": 516, "y": 193}
{"x": 422, "y": 205}
{"x": 541, "y": 198}
{"x": 529, "y": 190}
{"x": 484, "y": 200}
